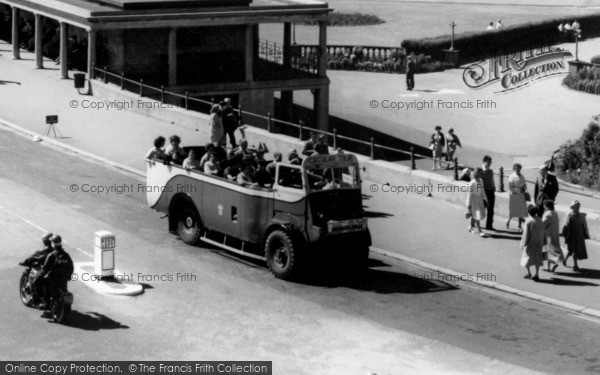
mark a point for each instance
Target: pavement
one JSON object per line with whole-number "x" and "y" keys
{"x": 412, "y": 226}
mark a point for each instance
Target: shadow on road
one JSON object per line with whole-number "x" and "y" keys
{"x": 374, "y": 214}
{"x": 558, "y": 281}
{"x": 584, "y": 273}
{"x": 6, "y": 82}
{"x": 91, "y": 321}
{"x": 377, "y": 280}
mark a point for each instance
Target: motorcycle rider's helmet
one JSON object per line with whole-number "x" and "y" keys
{"x": 46, "y": 239}
{"x": 56, "y": 240}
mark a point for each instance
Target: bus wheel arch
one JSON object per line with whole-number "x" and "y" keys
{"x": 185, "y": 219}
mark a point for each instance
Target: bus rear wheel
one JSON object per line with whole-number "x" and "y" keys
{"x": 189, "y": 227}
{"x": 282, "y": 255}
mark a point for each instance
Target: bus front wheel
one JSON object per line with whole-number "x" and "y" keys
{"x": 282, "y": 255}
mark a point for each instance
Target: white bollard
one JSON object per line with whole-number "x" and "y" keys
{"x": 104, "y": 254}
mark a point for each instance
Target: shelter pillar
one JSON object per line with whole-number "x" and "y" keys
{"x": 91, "y": 52}
{"x": 322, "y": 49}
{"x": 172, "y": 56}
{"x": 39, "y": 58}
{"x": 64, "y": 58}
{"x": 321, "y": 108}
{"x": 15, "y": 33}
{"x": 249, "y": 60}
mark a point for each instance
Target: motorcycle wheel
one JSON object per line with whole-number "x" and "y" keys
{"x": 25, "y": 291}
{"x": 59, "y": 310}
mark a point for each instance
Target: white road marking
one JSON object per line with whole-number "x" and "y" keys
{"x": 42, "y": 229}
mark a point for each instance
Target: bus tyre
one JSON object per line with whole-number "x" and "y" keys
{"x": 189, "y": 227}
{"x": 282, "y": 255}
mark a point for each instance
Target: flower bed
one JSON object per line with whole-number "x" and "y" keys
{"x": 587, "y": 80}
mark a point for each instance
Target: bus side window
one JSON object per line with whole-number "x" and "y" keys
{"x": 289, "y": 177}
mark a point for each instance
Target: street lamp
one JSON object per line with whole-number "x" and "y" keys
{"x": 572, "y": 29}
{"x": 453, "y": 25}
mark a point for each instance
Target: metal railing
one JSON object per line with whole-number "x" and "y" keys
{"x": 273, "y": 125}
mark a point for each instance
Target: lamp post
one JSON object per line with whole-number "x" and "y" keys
{"x": 453, "y": 25}
{"x": 575, "y": 29}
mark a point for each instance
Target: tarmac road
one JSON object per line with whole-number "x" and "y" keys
{"x": 391, "y": 322}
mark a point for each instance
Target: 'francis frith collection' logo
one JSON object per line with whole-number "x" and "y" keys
{"x": 518, "y": 69}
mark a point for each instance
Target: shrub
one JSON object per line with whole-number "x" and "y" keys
{"x": 579, "y": 161}
{"x": 596, "y": 59}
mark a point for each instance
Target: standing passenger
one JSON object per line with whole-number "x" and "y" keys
{"x": 216, "y": 126}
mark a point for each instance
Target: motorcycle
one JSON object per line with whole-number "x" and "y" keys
{"x": 60, "y": 298}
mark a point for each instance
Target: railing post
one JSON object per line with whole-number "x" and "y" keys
{"x": 162, "y": 93}
{"x": 502, "y": 179}
{"x": 122, "y": 80}
{"x": 301, "y": 123}
{"x": 455, "y": 169}
{"x": 141, "y": 87}
{"x": 269, "y": 122}
{"x": 187, "y": 100}
{"x": 413, "y": 165}
{"x": 334, "y": 139}
{"x": 372, "y": 148}
{"x": 105, "y": 78}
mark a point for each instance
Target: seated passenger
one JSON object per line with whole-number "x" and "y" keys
{"x": 157, "y": 152}
{"x": 321, "y": 148}
{"x": 309, "y": 146}
{"x": 261, "y": 176}
{"x": 174, "y": 152}
{"x": 293, "y": 158}
{"x": 244, "y": 178}
{"x": 232, "y": 169}
{"x": 272, "y": 166}
{"x": 212, "y": 166}
{"x": 210, "y": 148}
{"x": 243, "y": 150}
{"x": 191, "y": 162}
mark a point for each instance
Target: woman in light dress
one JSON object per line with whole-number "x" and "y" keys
{"x": 216, "y": 126}
{"x": 532, "y": 243}
{"x": 517, "y": 204}
{"x": 437, "y": 146}
{"x": 476, "y": 202}
{"x": 551, "y": 228}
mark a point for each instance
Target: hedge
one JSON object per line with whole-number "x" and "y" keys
{"x": 476, "y": 46}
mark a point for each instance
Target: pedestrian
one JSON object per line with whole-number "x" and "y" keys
{"x": 532, "y": 243}
{"x": 309, "y": 146}
{"x": 491, "y": 27}
{"x": 410, "y": 73}
{"x": 452, "y": 142}
{"x": 551, "y": 229}
{"x": 436, "y": 144}
{"x": 231, "y": 121}
{"x": 490, "y": 191}
{"x": 546, "y": 187}
{"x": 216, "y": 126}
{"x": 575, "y": 232}
{"x": 476, "y": 202}
{"x": 499, "y": 25}
{"x": 517, "y": 199}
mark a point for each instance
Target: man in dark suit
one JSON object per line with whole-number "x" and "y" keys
{"x": 410, "y": 73}
{"x": 546, "y": 187}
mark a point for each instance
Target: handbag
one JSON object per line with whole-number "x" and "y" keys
{"x": 468, "y": 214}
{"x": 527, "y": 197}
{"x": 431, "y": 146}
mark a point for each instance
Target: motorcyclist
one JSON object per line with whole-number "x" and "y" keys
{"x": 57, "y": 269}
{"x": 39, "y": 257}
